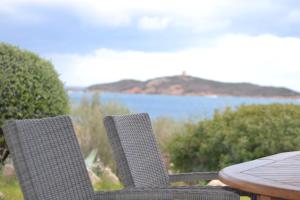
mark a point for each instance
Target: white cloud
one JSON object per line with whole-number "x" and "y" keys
{"x": 200, "y": 15}
{"x": 264, "y": 59}
{"x": 153, "y": 23}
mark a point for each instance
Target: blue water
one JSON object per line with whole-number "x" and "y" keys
{"x": 178, "y": 107}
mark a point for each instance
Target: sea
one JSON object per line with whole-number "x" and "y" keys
{"x": 177, "y": 107}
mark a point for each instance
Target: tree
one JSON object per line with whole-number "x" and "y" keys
{"x": 29, "y": 87}
{"x": 235, "y": 136}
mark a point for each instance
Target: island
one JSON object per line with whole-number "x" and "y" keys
{"x": 189, "y": 85}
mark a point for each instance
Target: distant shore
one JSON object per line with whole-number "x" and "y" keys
{"x": 183, "y": 95}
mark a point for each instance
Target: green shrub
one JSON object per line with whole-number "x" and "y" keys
{"x": 29, "y": 87}
{"x": 165, "y": 128}
{"x": 107, "y": 185}
{"x": 235, "y": 136}
{"x": 88, "y": 120}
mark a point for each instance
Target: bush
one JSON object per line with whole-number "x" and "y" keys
{"x": 30, "y": 87}
{"x": 88, "y": 120}
{"x": 165, "y": 128}
{"x": 235, "y": 136}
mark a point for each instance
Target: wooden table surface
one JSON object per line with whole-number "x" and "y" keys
{"x": 272, "y": 177}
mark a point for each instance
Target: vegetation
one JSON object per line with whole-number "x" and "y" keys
{"x": 106, "y": 184}
{"x": 30, "y": 87}
{"x": 165, "y": 129}
{"x": 10, "y": 189}
{"x": 88, "y": 120}
{"x": 235, "y": 136}
{"x": 231, "y": 136}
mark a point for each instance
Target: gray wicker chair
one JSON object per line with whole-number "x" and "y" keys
{"x": 139, "y": 161}
{"x": 50, "y": 166}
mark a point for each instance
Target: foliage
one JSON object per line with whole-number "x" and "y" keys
{"x": 235, "y": 136}
{"x": 12, "y": 191}
{"x": 88, "y": 120}
{"x": 30, "y": 87}
{"x": 10, "y": 188}
{"x": 91, "y": 133}
{"x": 106, "y": 184}
{"x": 165, "y": 128}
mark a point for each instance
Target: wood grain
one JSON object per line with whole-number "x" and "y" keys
{"x": 276, "y": 176}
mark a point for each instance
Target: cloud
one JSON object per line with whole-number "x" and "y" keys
{"x": 263, "y": 59}
{"x": 12, "y": 10}
{"x": 153, "y": 23}
{"x": 197, "y": 15}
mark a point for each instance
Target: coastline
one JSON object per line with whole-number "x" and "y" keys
{"x": 184, "y": 95}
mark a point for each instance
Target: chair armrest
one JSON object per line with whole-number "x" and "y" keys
{"x": 168, "y": 193}
{"x": 194, "y": 176}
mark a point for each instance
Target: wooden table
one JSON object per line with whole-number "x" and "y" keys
{"x": 272, "y": 177}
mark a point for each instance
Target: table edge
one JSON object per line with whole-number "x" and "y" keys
{"x": 227, "y": 176}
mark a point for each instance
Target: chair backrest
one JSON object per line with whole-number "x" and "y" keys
{"x": 47, "y": 158}
{"x": 136, "y": 151}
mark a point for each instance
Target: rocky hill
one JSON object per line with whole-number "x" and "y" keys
{"x": 188, "y": 85}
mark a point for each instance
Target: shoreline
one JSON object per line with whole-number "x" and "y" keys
{"x": 186, "y": 95}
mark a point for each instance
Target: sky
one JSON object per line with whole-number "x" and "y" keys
{"x": 98, "y": 41}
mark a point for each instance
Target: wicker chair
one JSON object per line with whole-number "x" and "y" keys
{"x": 139, "y": 161}
{"x": 50, "y": 166}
